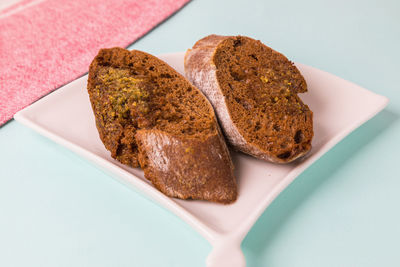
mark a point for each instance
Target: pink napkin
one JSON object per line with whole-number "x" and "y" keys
{"x": 47, "y": 43}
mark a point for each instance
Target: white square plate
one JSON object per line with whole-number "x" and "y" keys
{"x": 339, "y": 107}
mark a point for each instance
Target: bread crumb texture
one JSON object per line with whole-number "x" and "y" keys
{"x": 260, "y": 88}
{"x": 149, "y": 115}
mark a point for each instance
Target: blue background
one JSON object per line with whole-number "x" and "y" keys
{"x": 56, "y": 209}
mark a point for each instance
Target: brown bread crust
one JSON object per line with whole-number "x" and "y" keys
{"x": 253, "y": 90}
{"x": 147, "y": 113}
{"x": 198, "y": 168}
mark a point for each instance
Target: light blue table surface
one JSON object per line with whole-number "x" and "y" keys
{"x": 56, "y": 209}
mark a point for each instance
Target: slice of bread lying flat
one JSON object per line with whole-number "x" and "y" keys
{"x": 254, "y": 92}
{"x": 147, "y": 114}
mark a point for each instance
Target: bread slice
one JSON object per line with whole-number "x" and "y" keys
{"x": 149, "y": 115}
{"x": 254, "y": 92}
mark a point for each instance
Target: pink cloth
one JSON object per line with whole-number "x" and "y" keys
{"x": 47, "y": 43}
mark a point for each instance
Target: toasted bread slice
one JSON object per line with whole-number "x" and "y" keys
{"x": 147, "y": 114}
{"x": 253, "y": 90}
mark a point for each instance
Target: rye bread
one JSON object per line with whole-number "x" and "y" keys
{"x": 147, "y": 114}
{"x": 253, "y": 90}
